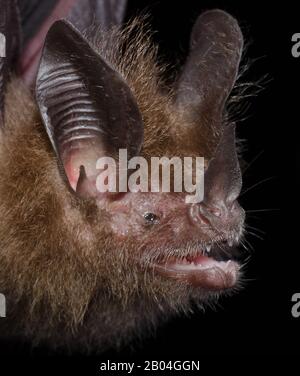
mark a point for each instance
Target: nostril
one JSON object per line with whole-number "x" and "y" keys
{"x": 207, "y": 214}
{"x": 214, "y": 211}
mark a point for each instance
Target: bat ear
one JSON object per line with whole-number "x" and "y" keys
{"x": 9, "y": 45}
{"x": 223, "y": 179}
{"x": 211, "y": 68}
{"x": 87, "y": 108}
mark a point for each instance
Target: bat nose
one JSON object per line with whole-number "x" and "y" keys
{"x": 212, "y": 211}
{"x": 218, "y": 215}
{"x": 216, "y": 210}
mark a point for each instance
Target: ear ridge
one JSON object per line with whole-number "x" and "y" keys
{"x": 211, "y": 68}
{"x": 87, "y": 108}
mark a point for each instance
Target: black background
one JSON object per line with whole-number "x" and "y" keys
{"x": 254, "y": 328}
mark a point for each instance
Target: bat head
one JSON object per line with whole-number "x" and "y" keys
{"x": 91, "y": 112}
{"x": 132, "y": 246}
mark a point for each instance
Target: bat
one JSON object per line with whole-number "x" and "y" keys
{"x": 86, "y": 270}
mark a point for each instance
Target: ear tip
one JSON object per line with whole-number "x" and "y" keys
{"x": 222, "y": 20}
{"x": 60, "y": 36}
{"x": 60, "y": 26}
{"x": 218, "y": 15}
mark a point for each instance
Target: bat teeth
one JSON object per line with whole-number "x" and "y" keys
{"x": 237, "y": 238}
{"x": 230, "y": 242}
{"x": 208, "y": 247}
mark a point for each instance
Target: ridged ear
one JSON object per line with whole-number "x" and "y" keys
{"x": 211, "y": 68}
{"x": 9, "y": 45}
{"x": 87, "y": 108}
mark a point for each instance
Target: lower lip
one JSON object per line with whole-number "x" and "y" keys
{"x": 204, "y": 272}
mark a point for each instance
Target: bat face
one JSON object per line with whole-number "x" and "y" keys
{"x": 194, "y": 243}
{"x": 124, "y": 259}
{"x": 190, "y": 243}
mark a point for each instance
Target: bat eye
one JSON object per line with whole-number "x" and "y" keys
{"x": 151, "y": 218}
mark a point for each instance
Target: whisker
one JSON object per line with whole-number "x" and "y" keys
{"x": 253, "y": 161}
{"x": 246, "y": 261}
{"x": 248, "y": 245}
{"x": 262, "y": 210}
{"x": 255, "y": 228}
{"x": 254, "y": 217}
{"x": 257, "y": 184}
{"x": 244, "y": 245}
{"x": 255, "y": 235}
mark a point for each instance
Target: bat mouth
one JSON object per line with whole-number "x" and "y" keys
{"x": 216, "y": 266}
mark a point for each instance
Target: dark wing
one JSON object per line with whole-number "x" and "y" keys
{"x": 38, "y": 16}
{"x": 9, "y": 45}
